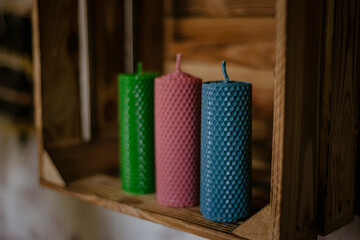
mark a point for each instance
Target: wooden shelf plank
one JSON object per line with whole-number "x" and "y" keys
{"x": 105, "y": 190}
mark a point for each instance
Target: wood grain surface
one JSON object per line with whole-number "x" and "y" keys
{"x": 49, "y": 172}
{"x": 105, "y": 190}
{"x": 60, "y": 86}
{"x": 221, "y": 8}
{"x": 247, "y": 42}
{"x": 106, "y": 31}
{"x": 278, "y": 125}
{"x": 340, "y": 115}
{"x": 37, "y": 84}
{"x": 295, "y": 142}
{"x": 257, "y": 227}
{"x": 59, "y": 56}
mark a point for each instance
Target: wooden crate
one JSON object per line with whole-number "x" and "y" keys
{"x": 314, "y": 112}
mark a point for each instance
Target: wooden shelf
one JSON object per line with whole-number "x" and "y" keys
{"x": 105, "y": 190}
{"x": 314, "y": 115}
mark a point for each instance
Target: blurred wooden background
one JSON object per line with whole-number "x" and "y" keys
{"x": 242, "y": 32}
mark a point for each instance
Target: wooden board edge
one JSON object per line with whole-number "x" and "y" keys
{"x": 142, "y": 214}
{"x": 46, "y": 168}
{"x": 49, "y": 172}
{"x": 37, "y": 82}
{"x": 278, "y": 121}
{"x": 256, "y": 227}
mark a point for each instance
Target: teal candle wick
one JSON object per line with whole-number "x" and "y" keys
{"x": 139, "y": 68}
{"x": 178, "y": 61}
{"x": 226, "y": 77}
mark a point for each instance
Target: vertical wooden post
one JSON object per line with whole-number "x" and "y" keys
{"x": 295, "y": 139}
{"x": 37, "y": 81}
{"x": 340, "y": 105}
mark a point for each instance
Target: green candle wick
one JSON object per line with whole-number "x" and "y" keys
{"x": 226, "y": 77}
{"x": 139, "y": 68}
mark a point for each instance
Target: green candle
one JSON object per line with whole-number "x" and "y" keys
{"x": 136, "y": 131}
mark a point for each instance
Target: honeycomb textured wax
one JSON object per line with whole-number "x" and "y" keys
{"x": 226, "y": 150}
{"x": 136, "y": 130}
{"x": 177, "y": 138}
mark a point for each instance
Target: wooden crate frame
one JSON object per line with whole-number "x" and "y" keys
{"x": 305, "y": 81}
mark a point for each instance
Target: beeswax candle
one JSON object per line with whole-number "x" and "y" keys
{"x": 136, "y": 130}
{"x": 177, "y": 135}
{"x": 225, "y": 150}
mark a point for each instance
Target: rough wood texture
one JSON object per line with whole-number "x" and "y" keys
{"x": 257, "y": 227}
{"x": 340, "y": 115}
{"x": 37, "y": 82}
{"x": 247, "y": 42}
{"x": 106, "y": 31}
{"x": 216, "y": 8}
{"x": 60, "y": 71}
{"x": 106, "y": 191}
{"x": 279, "y": 119}
{"x": 295, "y": 140}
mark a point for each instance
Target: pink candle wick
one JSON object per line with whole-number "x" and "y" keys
{"x": 178, "y": 61}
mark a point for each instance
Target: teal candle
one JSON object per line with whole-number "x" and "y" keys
{"x": 225, "y": 192}
{"x": 136, "y": 131}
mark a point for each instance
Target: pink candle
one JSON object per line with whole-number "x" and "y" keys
{"x": 177, "y": 138}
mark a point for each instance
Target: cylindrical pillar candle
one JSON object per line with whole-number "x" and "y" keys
{"x": 225, "y": 150}
{"x": 177, "y": 138}
{"x": 136, "y": 130}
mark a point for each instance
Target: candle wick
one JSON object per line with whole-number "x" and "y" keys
{"x": 226, "y": 77}
{"x": 178, "y": 61}
{"x": 139, "y": 68}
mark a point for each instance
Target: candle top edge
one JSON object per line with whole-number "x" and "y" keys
{"x": 174, "y": 76}
{"x": 224, "y": 83}
{"x": 132, "y": 75}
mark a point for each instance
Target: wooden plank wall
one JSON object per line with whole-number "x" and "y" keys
{"x": 293, "y": 202}
{"x": 340, "y": 114}
{"x": 241, "y": 32}
{"x": 58, "y": 33}
{"x": 58, "y": 23}
{"x": 106, "y": 31}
